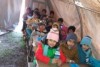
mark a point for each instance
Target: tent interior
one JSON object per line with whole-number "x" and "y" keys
{"x": 83, "y": 14}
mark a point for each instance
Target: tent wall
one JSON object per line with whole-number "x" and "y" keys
{"x": 9, "y": 12}
{"x": 91, "y": 23}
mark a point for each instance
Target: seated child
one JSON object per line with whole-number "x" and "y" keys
{"x": 69, "y": 48}
{"x": 49, "y": 26}
{"x": 71, "y": 29}
{"x": 30, "y": 22}
{"x": 37, "y": 34}
{"x": 60, "y": 22}
{"x": 63, "y": 33}
{"x": 52, "y": 16}
{"x": 86, "y": 47}
{"x": 49, "y": 52}
{"x": 55, "y": 25}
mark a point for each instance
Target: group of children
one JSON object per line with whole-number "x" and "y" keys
{"x": 54, "y": 43}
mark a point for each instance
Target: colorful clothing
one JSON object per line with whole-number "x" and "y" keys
{"x": 50, "y": 54}
{"x": 93, "y": 62}
{"x": 36, "y": 36}
{"x": 81, "y": 54}
{"x": 72, "y": 53}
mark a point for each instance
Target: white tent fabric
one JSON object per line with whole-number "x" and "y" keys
{"x": 86, "y": 17}
{"x": 9, "y": 12}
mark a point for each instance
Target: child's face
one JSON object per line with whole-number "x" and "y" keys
{"x": 35, "y": 16}
{"x": 85, "y": 47}
{"x": 70, "y": 43}
{"x": 51, "y": 43}
{"x": 59, "y": 22}
{"x": 41, "y": 28}
{"x": 70, "y": 31}
{"x": 55, "y": 26}
{"x": 43, "y": 12}
{"x": 51, "y": 14}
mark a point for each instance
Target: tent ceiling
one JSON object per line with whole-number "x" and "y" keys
{"x": 92, "y": 4}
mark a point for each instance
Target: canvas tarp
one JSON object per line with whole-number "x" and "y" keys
{"x": 9, "y": 12}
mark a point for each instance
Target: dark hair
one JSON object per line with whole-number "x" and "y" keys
{"x": 71, "y": 28}
{"x": 51, "y": 12}
{"x": 36, "y": 9}
{"x": 28, "y": 8}
{"x": 37, "y": 13}
{"x": 40, "y": 24}
{"x": 60, "y": 19}
{"x": 31, "y": 13}
{"x": 45, "y": 42}
{"x": 44, "y": 10}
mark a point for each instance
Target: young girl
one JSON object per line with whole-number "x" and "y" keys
{"x": 55, "y": 25}
{"x": 48, "y": 52}
{"x": 69, "y": 48}
{"x": 71, "y": 29}
{"x": 86, "y": 47}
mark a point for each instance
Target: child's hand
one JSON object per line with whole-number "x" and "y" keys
{"x": 59, "y": 62}
{"x": 87, "y": 60}
{"x": 54, "y": 61}
{"x": 70, "y": 61}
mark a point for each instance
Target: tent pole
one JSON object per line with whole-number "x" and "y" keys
{"x": 80, "y": 19}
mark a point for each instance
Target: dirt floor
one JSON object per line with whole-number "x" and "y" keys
{"x": 12, "y": 50}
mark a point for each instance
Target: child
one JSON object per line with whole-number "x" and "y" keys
{"x": 86, "y": 47}
{"x": 71, "y": 29}
{"x": 63, "y": 33}
{"x": 69, "y": 48}
{"x": 51, "y": 17}
{"x": 28, "y": 13}
{"x": 55, "y": 25}
{"x": 43, "y": 14}
{"x": 37, "y": 34}
{"x": 49, "y": 26}
{"x": 60, "y": 21}
{"x": 32, "y": 21}
{"x": 46, "y": 51}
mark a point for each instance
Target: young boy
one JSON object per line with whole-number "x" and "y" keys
{"x": 69, "y": 48}
{"x": 86, "y": 47}
{"x": 60, "y": 21}
{"x": 37, "y": 34}
{"x": 71, "y": 29}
